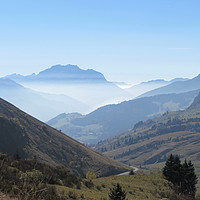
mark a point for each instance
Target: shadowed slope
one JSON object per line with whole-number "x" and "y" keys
{"x": 30, "y": 137}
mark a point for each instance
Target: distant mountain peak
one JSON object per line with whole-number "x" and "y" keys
{"x": 63, "y": 73}
{"x": 65, "y": 67}
{"x": 178, "y": 79}
{"x": 178, "y": 85}
{"x": 61, "y": 69}
{"x": 154, "y": 81}
{"x": 164, "y": 81}
{"x": 70, "y": 73}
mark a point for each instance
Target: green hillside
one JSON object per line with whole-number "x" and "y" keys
{"x": 138, "y": 187}
{"x": 150, "y": 142}
{"x": 31, "y": 180}
{"x": 30, "y": 137}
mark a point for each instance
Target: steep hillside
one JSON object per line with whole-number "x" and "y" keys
{"x": 152, "y": 141}
{"x": 176, "y": 87}
{"x": 30, "y": 137}
{"x": 110, "y": 120}
{"x": 40, "y": 105}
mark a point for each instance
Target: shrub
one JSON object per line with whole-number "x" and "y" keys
{"x": 131, "y": 172}
{"x": 117, "y": 193}
{"x": 98, "y": 187}
{"x": 89, "y": 183}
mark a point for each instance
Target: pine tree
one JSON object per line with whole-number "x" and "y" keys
{"x": 182, "y": 176}
{"x": 131, "y": 172}
{"x": 172, "y": 170}
{"x": 189, "y": 179}
{"x": 117, "y": 193}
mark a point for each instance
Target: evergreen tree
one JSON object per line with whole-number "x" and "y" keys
{"x": 117, "y": 193}
{"x": 189, "y": 179}
{"x": 131, "y": 172}
{"x": 172, "y": 170}
{"x": 182, "y": 176}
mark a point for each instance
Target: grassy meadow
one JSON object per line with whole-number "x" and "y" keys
{"x": 138, "y": 187}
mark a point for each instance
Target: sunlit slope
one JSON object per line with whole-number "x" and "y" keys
{"x": 30, "y": 137}
{"x": 138, "y": 187}
{"x": 152, "y": 141}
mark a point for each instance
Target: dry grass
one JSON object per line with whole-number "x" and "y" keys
{"x": 138, "y": 187}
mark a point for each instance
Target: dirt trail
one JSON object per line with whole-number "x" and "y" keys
{"x": 135, "y": 169}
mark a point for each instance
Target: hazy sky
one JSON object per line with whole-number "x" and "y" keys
{"x": 126, "y": 40}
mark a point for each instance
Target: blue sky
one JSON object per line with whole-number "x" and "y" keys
{"x": 126, "y": 40}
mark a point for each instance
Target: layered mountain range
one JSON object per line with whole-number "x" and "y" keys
{"x": 88, "y": 86}
{"x": 144, "y": 87}
{"x": 41, "y": 105}
{"x": 133, "y": 140}
{"x": 64, "y": 84}
{"x": 176, "y": 87}
{"x": 62, "y": 73}
{"x": 111, "y": 120}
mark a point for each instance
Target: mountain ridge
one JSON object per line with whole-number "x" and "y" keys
{"x": 176, "y": 87}
{"x": 111, "y": 119}
{"x": 143, "y": 87}
{"x": 62, "y": 73}
{"x": 88, "y": 86}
